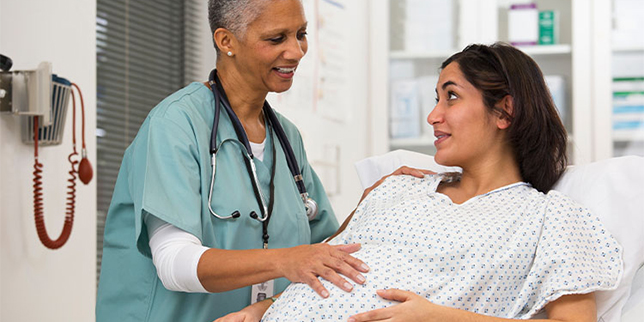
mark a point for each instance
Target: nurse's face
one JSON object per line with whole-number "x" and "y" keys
{"x": 272, "y": 46}
{"x": 465, "y": 130}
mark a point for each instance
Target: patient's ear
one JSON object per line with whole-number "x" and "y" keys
{"x": 505, "y": 107}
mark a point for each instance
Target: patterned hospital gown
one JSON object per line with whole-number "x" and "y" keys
{"x": 506, "y": 253}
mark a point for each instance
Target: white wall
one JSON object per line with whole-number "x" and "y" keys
{"x": 38, "y": 284}
{"x": 206, "y": 54}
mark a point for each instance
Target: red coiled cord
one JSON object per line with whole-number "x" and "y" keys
{"x": 71, "y": 186}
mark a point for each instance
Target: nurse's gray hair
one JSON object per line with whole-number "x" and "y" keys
{"x": 234, "y": 15}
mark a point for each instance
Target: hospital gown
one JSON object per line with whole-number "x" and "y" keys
{"x": 506, "y": 253}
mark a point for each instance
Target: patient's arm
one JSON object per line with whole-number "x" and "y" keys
{"x": 251, "y": 313}
{"x": 344, "y": 224}
{"x": 578, "y": 307}
{"x": 404, "y": 170}
{"x": 413, "y": 307}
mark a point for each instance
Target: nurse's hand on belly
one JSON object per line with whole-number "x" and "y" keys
{"x": 305, "y": 263}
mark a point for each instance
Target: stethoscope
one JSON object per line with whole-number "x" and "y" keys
{"x": 310, "y": 205}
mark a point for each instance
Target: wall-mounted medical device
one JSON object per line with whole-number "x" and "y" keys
{"x": 27, "y": 92}
{"x": 41, "y": 99}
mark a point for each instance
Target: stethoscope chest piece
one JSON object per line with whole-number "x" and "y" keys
{"x": 311, "y": 208}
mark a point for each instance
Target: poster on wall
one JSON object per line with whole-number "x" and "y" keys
{"x": 331, "y": 46}
{"x": 320, "y": 81}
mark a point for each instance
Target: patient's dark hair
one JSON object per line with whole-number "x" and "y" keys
{"x": 536, "y": 133}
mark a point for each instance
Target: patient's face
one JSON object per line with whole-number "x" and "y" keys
{"x": 465, "y": 130}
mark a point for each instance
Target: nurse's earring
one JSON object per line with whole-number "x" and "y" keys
{"x": 230, "y": 54}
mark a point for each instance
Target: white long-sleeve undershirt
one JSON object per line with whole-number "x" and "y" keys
{"x": 175, "y": 254}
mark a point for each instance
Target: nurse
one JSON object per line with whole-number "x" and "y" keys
{"x": 180, "y": 246}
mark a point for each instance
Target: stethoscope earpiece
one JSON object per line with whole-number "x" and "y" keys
{"x": 253, "y": 215}
{"x": 236, "y": 214}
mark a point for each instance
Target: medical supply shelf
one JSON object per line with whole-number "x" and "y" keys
{"x": 562, "y": 49}
{"x": 538, "y": 50}
{"x": 403, "y": 54}
{"x": 576, "y": 58}
{"x": 628, "y": 138}
{"x": 626, "y": 49}
{"x": 625, "y": 57}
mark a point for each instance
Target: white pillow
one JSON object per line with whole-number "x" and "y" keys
{"x": 612, "y": 189}
{"x": 373, "y": 168}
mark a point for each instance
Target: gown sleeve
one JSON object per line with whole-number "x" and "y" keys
{"x": 575, "y": 255}
{"x": 165, "y": 178}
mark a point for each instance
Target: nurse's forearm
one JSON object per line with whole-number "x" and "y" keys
{"x": 223, "y": 270}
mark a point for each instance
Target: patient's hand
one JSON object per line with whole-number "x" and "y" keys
{"x": 413, "y": 308}
{"x": 418, "y": 173}
{"x": 251, "y": 313}
{"x": 240, "y": 316}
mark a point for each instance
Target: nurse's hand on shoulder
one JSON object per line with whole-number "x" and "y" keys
{"x": 306, "y": 262}
{"x": 404, "y": 170}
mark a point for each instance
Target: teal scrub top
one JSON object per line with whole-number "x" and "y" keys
{"x": 166, "y": 172}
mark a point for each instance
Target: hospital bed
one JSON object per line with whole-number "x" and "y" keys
{"x": 613, "y": 189}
